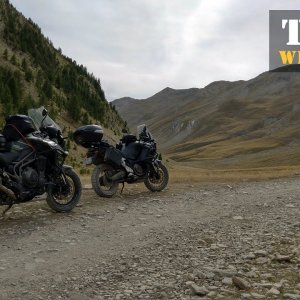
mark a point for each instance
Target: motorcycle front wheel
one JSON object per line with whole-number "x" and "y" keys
{"x": 101, "y": 185}
{"x": 66, "y": 193}
{"x": 157, "y": 181}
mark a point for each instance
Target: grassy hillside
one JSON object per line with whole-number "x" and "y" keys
{"x": 34, "y": 73}
{"x": 243, "y": 124}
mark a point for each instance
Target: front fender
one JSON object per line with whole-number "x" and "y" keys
{"x": 156, "y": 163}
{"x": 66, "y": 167}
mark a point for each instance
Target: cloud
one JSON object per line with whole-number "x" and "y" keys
{"x": 137, "y": 47}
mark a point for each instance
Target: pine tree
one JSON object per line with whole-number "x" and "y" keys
{"x": 47, "y": 89}
{"x": 5, "y": 54}
{"x": 26, "y": 104}
{"x": 28, "y": 75}
{"x": 74, "y": 108}
{"x": 24, "y": 65}
{"x": 13, "y": 59}
{"x": 85, "y": 119}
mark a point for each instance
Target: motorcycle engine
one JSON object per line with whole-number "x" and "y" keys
{"x": 30, "y": 177}
{"x": 139, "y": 170}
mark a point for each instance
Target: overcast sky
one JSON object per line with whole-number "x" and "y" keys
{"x": 138, "y": 47}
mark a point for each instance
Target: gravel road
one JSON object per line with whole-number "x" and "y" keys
{"x": 220, "y": 241}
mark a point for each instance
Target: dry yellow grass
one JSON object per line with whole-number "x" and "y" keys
{"x": 185, "y": 175}
{"x": 223, "y": 149}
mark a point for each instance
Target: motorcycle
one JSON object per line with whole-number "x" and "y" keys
{"x": 32, "y": 159}
{"x": 133, "y": 159}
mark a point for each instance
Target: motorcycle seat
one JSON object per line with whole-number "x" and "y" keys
{"x": 7, "y": 157}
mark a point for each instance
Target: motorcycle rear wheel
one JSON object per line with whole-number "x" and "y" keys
{"x": 157, "y": 182}
{"x": 66, "y": 200}
{"x": 102, "y": 187}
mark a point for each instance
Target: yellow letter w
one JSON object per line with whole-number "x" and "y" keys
{"x": 287, "y": 56}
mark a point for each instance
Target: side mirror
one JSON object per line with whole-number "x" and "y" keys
{"x": 45, "y": 112}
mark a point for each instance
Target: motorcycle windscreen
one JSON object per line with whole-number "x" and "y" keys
{"x": 36, "y": 115}
{"x": 143, "y": 129}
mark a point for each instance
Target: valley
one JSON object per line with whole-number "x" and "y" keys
{"x": 243, "y": 124}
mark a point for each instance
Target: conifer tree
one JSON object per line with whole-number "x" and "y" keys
{"x": 28, "y": 75}
{"x": 5, "y": 54}
{"x": 13, "y": 59}
{"x": 24, "y": 65}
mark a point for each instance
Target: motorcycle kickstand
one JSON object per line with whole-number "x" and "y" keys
{"x": 7, "y": 209}
{"x": 122, "y": 188}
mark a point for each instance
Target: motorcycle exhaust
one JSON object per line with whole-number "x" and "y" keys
{"x": 8, "y": 192}
{"x": 119, "y": 176}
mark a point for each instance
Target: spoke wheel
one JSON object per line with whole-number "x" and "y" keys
{"x": 65, "y": 195}
{"x": 157, "y": 181}
{"x": 100, "y": 183}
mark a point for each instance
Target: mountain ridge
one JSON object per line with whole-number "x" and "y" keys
{"x": 46, "y": 74}
{"x": 34, "y": 73}
{"x": 238, "y": 124}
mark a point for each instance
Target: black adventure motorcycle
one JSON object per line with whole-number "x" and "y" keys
{"x": 32, "y": 159}
{"x": 134, "y": 159}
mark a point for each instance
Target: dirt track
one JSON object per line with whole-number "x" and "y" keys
{"x": 184, "y": 243}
